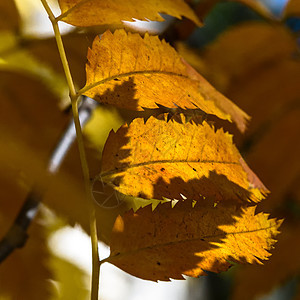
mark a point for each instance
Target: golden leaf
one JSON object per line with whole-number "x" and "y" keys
{"x": 168, "y": 242}
{"x": 99, "y": 12}
{"x": 132, "y": 72}
{"x": 162, "y": 159}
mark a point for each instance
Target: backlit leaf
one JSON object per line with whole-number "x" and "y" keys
{"x": 189, "y": 240}
{"x": 132, "y": 72}
{"x": 99, "y": 12}
{"x": 168, "y": 159}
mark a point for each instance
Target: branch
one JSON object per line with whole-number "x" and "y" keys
{"x": 17, "y": 235}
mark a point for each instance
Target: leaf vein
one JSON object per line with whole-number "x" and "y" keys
{"x": 142, "y": 164}
{"x": 87, "y": 88}
{"x": 225, "y": 234}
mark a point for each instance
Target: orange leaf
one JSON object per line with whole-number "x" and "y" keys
{"x": 97, "y": 12}
{"x": 245, "y": 50}
{"x": 169, "y": 159}
{"x": 292, "y": 8}
{"x": 132, "y": 72}
{"x": 9, "y": 15}
{"x": 170, "y": 241}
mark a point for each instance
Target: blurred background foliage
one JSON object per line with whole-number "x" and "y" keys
{"x": 248, "y": 50}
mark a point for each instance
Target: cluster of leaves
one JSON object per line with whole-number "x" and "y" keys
{"x": 257, "y": 65}
{"x": 179, "y": 154}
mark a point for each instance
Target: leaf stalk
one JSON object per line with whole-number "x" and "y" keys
{"x": 84, "y": 165}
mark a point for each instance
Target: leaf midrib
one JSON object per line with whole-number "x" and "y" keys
{"x": 121, "y": 75}
{"x": 120, "y": 170}
{"x": 131, "y": 252}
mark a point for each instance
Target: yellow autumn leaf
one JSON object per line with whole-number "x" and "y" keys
{"x": 99, "y": 12}
{"x": 132, "y": 72}
{"x": 159, "y": 159}
{"x": 168, "y": 242}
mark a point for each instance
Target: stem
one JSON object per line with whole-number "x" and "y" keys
{"x": 92, "y": 213}
{"x": 61, "y": 50}
{"x": 84, "y": 164}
